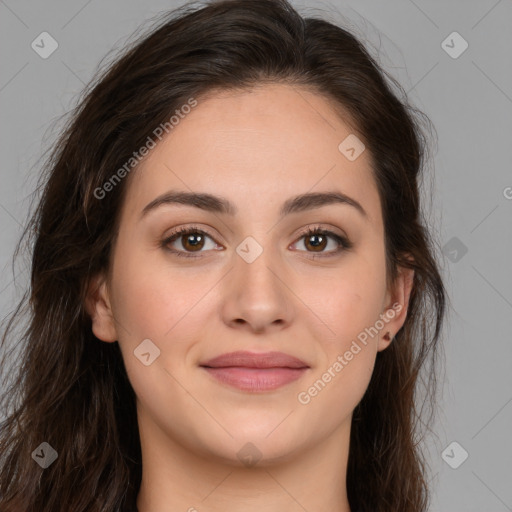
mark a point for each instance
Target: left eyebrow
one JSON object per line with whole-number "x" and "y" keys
{"x": 317, "y": 200}
{"x": 222, "y": 205}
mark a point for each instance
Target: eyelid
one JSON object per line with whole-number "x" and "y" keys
{"x": 184, "y": 230}
{"x": 344, "y": 243}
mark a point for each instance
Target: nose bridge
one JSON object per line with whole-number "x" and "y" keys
{"x": 257, "y": 266}
{"x": 256, "y": 294}
{"x": 257, "y": 263}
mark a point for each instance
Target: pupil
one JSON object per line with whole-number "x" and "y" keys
{"x": 190, "y": 240}
{"x": 316, "y": 241}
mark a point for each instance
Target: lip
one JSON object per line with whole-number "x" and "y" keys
{"x": 251, "y": 371}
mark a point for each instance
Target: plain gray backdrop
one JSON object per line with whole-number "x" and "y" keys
{"x": 466, "y": 92}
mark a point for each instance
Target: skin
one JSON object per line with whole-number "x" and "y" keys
{"x": 257, "y": 148}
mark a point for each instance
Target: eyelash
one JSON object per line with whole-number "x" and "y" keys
{"x": 345, "y": 243}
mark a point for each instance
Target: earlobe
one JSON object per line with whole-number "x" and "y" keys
{"x": 395, "y": 312}
{"x": 97, "y": 305}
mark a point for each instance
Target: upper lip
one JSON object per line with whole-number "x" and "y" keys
{"x": 255, "y": 360}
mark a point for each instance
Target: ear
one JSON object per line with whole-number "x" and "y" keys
{"x": 396, "y": 306}
{"x": 97, "y": 304}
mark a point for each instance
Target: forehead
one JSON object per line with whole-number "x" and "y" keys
{"x": 257, "y": 147}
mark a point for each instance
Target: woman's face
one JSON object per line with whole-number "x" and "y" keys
{"x": 254, "y": 281}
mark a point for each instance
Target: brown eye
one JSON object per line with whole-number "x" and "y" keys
{"x": 188, "y": 240}
{"x": 193, "y": 241}
{"x": 317, "y": 242}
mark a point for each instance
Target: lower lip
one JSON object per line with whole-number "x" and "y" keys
{"x": 256, "y": 379}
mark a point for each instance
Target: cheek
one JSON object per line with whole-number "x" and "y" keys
{"x": 150, "y": 297}
{"x": 348, "y": 353}
{"x": 349, "y": 301}
{"x": 353, "y": 309}
{"x": 154, "y": 302}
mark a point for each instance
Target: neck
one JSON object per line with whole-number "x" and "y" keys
{"x": 178, "y": 477}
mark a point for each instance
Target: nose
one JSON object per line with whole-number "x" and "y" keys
{"x": 257, "y": 297}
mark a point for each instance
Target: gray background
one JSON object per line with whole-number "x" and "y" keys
{"x": 469, "y": 100}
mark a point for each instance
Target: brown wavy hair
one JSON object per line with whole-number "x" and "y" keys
{"x": 72, "y": 391}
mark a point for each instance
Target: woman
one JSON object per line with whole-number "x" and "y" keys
{"x": 233, "y": 289}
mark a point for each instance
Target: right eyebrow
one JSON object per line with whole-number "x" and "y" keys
{"x": 219, "y": 204}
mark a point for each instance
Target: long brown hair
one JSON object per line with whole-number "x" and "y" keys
{"x": 71, "y": 390}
